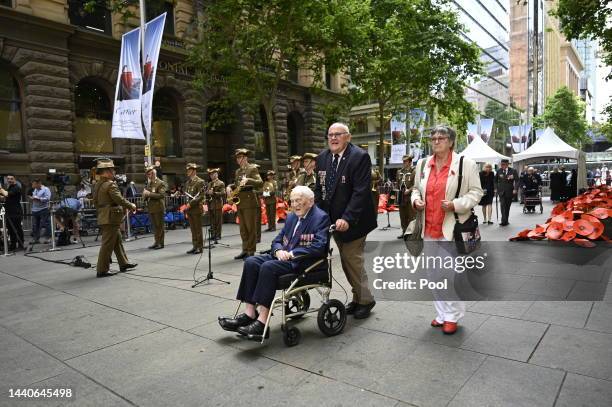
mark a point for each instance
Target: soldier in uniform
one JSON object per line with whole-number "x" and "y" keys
{"x": 405, "y": 182}
{"x": 110, "y": 210}
{"x": 155, "y": 196}
{"x": 249, "y": 181}
{"x": 269, "y": 194}
{"x": 215, "y": 195}
{"x": 194, "y": 189}
{"x": 259, "y": 194}
{"x": 307, "y": 177}
{"x": 375, "y": 174}
{"x": 294, "y": 172}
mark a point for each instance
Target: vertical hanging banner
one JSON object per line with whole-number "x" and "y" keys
{"x": 486, "y": 128}
{"x": 472, "y": 131}
{"x": 398, "y": 138}
{"x": 520, "y": 137}
{"x": 538, "y": 133}
{"x": 154, "y": 31}
{"x": 127, "y": 115}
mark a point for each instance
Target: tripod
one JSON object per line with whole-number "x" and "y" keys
{"x": 209, "y": 276}
{"x": 388, "y": 222}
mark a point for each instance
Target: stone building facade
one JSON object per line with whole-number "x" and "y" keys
{"x": 59, "y": 84}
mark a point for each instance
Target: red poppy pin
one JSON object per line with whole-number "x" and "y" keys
{"x": 452, "y": 172}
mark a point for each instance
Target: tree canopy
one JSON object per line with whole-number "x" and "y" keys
{"x": 565, "y": 113}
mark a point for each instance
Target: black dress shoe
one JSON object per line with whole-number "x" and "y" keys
{"x": 363, "y": 311}
{"x": 254, "y": 330}
{"x": 197, "y": 251}
{"x": 107, "y": 274}
{"x": 190, "y": 251}
{"x": 232, "y": 324}
{"x": 154, "y": 246}
{"x": 158, "y": 246}
{"x": 350, "y": 307}
{"x": 400, "y": 236}
{"x": 241, "y": 256}
{"x": 126, "y": 267}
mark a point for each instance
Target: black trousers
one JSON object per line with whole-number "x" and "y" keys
{"x": 505, "y": 202}
{"x": 259, "y": 279}
{"x": 15, "y": 231}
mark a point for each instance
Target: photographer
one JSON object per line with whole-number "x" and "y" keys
{"x": 41, "y": 195}
{"x": 12, "y": 204}
{"x": 67, "y": 214}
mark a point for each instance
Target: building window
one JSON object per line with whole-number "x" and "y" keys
{"x": 328, "y": 80}
{"x": 166, "y": 132}
{"x": 6, "y": 3}
{"x": 262, "y": 135}
{"x": 158, "y": 7}
{"x": 93, "y": 15}
{"x": 295, "y": 133}
{"x": 93, "y": 119}
{"x": 11, "y": 125}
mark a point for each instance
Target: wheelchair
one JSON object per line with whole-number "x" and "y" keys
{"x": 294, "y": 300}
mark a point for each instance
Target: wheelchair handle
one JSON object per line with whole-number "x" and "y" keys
{"x": 332, "y": 228}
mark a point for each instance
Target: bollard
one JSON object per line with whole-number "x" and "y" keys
{"x": 128, "y": 227}
{"x": 4, "y": 236}
{"x": 52, "y": 220}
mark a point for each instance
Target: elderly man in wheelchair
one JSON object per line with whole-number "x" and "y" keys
{"x": 297, "y": 262}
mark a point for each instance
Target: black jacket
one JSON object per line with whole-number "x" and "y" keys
{"x": 350, "y": 199}
{"x": 506, "y": 183}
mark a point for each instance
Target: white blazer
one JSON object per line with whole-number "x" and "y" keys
{"x": 469, "y": 195}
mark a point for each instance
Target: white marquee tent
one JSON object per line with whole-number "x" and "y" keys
{"x": 548, "y": 146}
{"x": 480, "y": 152}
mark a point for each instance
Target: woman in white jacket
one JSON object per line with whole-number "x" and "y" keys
{"x": 434, "y": 193}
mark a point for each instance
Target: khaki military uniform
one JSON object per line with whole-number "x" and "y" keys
{"x": 307, "y": 180}
{"x": 195, "y": 188}
{"x": 156, "y": 206}
{"x": 215, "y": 207}
{"x": 247, "y": 208}
{"x": 405, "y": 181}
{"x": 110, "y": 210}
{"x": 374, "y": 189}
{"x": 293, "y": 178}
{"x": 270, "y": 201}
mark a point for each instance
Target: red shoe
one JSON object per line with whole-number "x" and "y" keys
{"x": 436, "y": 324}
{"x": 449, "y": 328}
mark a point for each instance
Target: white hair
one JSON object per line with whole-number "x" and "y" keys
{"x": 343, "y": 126}
{"x": 302, "y": 190}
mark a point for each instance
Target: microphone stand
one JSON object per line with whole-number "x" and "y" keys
{"x": 210, "y": 275}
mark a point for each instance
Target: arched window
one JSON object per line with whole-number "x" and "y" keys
{"x": 166, "y": 132}
{"x": 295, "y": 133}
{"x": 93, "y": 118}
{"x": 262, "y": 135}
{"x": 11, "y": 125}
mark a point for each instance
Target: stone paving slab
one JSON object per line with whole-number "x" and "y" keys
{"x": 584, "y": 391}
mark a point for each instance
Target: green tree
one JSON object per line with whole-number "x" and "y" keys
{"x": 565, "y": 113}
{"x": 247, "y": 47}
{"x": 590, "y": 19}
{"x": 503, "y": 118}
{"x": 414, "y": 56}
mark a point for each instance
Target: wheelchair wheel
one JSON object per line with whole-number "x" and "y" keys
{"x": 332, "y": 318}
{"x": 292, "y": 336}
{"x": 297, "y": 303}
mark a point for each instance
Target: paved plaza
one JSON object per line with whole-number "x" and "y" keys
{"x": 148, "y": 339}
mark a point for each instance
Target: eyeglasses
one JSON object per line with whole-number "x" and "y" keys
{"x": 335, "y": 135}
{"x": 435, "y": 140}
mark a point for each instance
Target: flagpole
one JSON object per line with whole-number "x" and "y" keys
{"x": 143, "y": 19}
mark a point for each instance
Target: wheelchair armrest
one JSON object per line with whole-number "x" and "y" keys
{"x": 314, "y": 265}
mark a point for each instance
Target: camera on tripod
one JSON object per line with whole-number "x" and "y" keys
{"x": 121, "y": 179}
{"x": 58, "y": 179}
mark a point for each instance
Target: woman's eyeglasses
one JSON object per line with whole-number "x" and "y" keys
{"x": 435, "y": 140}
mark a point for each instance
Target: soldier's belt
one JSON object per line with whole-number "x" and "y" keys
{"x": 246, "y": 188}
{"x": 108, "y": 206}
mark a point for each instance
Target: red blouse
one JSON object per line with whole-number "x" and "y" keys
{"x": 435, "y": 194}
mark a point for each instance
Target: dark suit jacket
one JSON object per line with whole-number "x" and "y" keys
{"x": 350, "y": 199}
{"x": 504, "y": 185}
{"x": 310, "y": 238}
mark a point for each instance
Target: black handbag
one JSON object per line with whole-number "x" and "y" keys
{"x": 467, "y": 234}
{"x": 414, "y": 240}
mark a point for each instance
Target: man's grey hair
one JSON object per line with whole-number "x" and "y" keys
{"x": 445, "y": 130}
{"x": 343, "y": 126}
{"x": 302, "y": 190}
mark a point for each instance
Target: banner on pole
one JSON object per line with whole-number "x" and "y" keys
{"x": 520, "y": 137}
{"x": 486, "y": 128}
{"x": 398, "y": 138}
{"x": 154, "y": 31}
{"x": 417, "y": 120}
{"x": 538, "y": 133}
{"x": 472, "y": 131}
{"x": 127, "y": 115}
